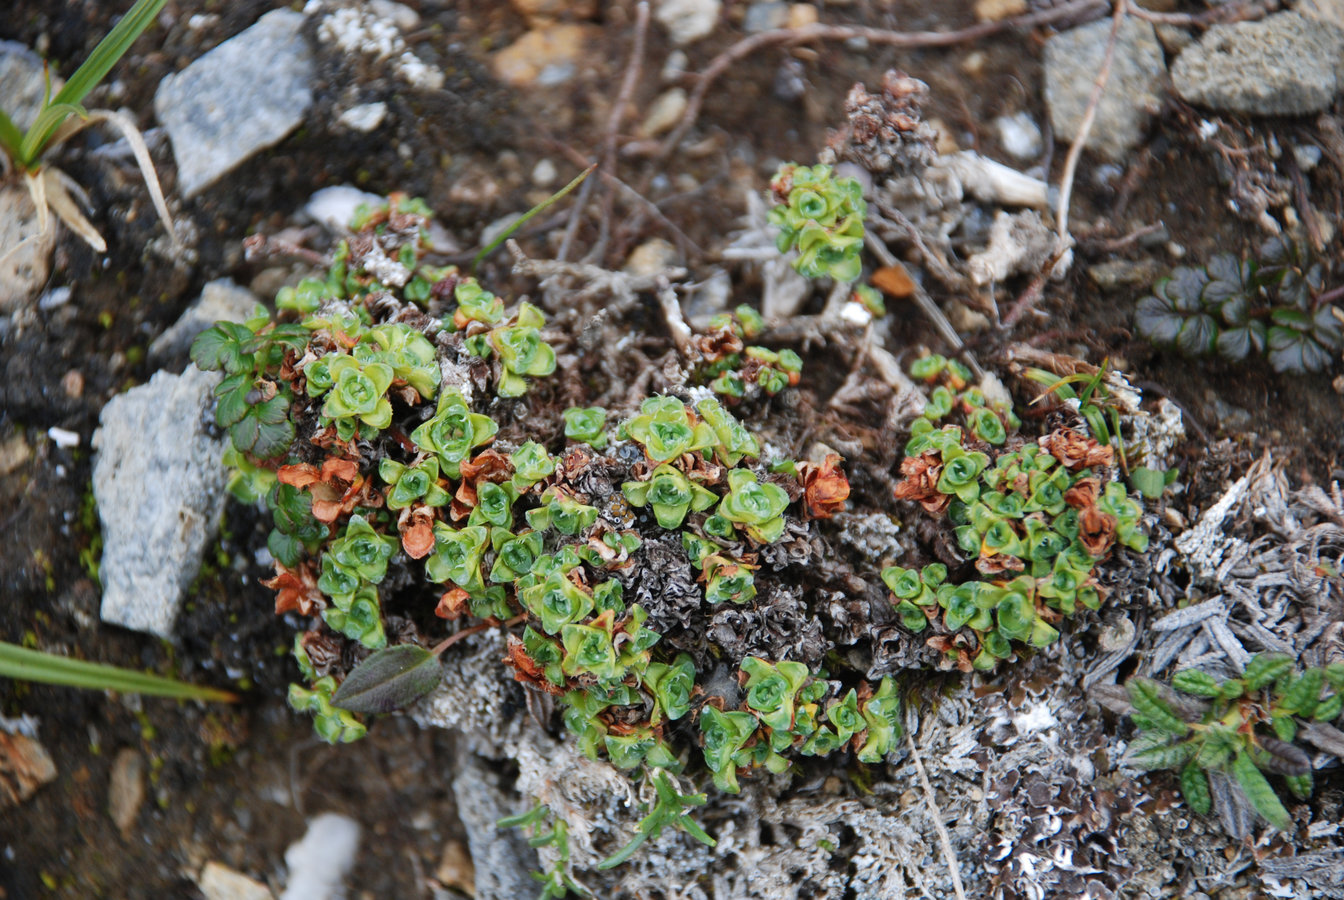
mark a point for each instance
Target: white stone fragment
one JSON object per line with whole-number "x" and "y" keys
{"x": 319, "y": 863}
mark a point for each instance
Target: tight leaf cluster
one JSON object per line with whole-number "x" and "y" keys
{"x": 821, "y": 217}
{"x": 735, "y": 370}
{"x": 1241, "y": 728}
{"x": 1034, "y": 521}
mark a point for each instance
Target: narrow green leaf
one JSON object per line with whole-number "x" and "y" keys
{"x": 1145, "y": 694}
{"x": 32, "y": 665}
{"x": 1148, "y": 482}
{"x": 1195, "y": 789}
{"x": 522, "y": 220}
{"x": 110, "y": 49}
{"x": 10, "y": 136}
{"x": 390, "y": 679}
{"x": 1257, "y": 790}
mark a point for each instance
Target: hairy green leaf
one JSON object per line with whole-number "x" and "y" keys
{"x": 390, "y": 679}
{"x": 1257, "y": 790}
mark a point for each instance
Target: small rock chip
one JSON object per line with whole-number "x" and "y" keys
{"x": 23, "y": 267}
{"x": 1072, "y": 60}
{"x": 72, "y": 383}
{"x": 219, "y": 882}
{"x": 687, "y": 21}
{"x": 543, "y": 56}
{"x": 1020, "y": 135}
{"x": 802, "y": 15}
{"x": 995, "y": 10}
{"x": 650, "y": 257}
{"x": 1282, "y": 65}
{"x": 24, "y": 767}
{"x": 539, "y": 12}
{"x": 14, "y": 452}
{"x": 664, "y": 112}
{"x": 126, "y": 792}
{"x": 160, "y": 493}
{"x": 456, "y": 870}
{"x": 765, "y": 16}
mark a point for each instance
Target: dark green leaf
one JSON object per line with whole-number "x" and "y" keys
{"x": 1146, "y": 696}
{"x": 1193, "y": 681}
{"x": 1198, "y": 335}
{"x": 390, "y": 679}
{"x": 1265, "y": 668}
{"x": 1258, "y": 791}
{"x": 1195, "y": 789}
{"x": 220, "y": 347}
{"x": 232, "y": 393}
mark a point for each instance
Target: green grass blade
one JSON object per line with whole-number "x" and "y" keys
{"x": 109, "y": 50}
{"x": 32, "y": 665}
{"x": 10, "y": 137}
{"x": 522, "y": 220}
{"x": 93, "y": 70}
{"x": 43, "y": 127}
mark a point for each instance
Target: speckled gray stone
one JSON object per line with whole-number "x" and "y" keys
{"x": 1282, "y": 65}
{"x": 241, "y": 97}
{"x": 160, "y": 491}
{"x": 1072, "y": 61}
{"x": 220, "y": 300}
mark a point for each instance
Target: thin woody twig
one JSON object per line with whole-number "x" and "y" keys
{"x": 882, "y": 36}
{"x": 1230, "y": 12}
{"x": 936, "y": 814}
{"x": 1085, "y": 127}
{"x": 627, "y": 90}
{"x": 491, "y": 622}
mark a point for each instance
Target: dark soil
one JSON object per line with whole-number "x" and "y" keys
{"x": 234, "y": 784}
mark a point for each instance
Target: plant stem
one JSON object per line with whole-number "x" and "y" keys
{"x": 491, "y": 622}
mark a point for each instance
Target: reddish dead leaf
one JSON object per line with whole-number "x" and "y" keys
{"x": 825, "y": 488}
{"x": 1075, "y": 450}
{"x": 418, "y": 539}
{"x": 340, "y": 470}
{"x": 921, "y": 483}
{"x": 1096, "y": 530}
{"x": 526, "y": 669}
{"x": 296, "y": 589}
{"x": 1083, "y": 494}
{"x": 453, "y": 604}
{"x": 894, "y": 281}
{"x": 299, "y": 475}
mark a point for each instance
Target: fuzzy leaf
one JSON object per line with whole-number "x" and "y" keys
{"x": 1259, "y": 792}
{"x": 390, "y": 679}
{"x": 1195, "y": 788}
{"x": 1145, "y": 694}
{"x": 1193, "y": 681}
{"x": 1264, "y": 668}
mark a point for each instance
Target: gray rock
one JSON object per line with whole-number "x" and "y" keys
{"x": 159, "y": 487}
{"x": 764, "y": 16}
{"x": 501, "y": 856}
{"x": 220, "y": 300}
{"x": 1282, "y": 65}
{"x": 22, "y": 83}
{"x": 1072, "y": 60}
{"x": 241, "y": 97}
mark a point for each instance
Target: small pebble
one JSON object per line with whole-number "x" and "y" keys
{"x": 650, "y": 257}
{"x": 664, "y": 113}
{"x": 126, "y": 791}
{"x": 1020, "y": 135}
{"x": 63, "y": 438}
{"x": 996, "y": 10}
{"x": 72, "y": 383}
{"x": 544, "y": 173}
{"x": 802, "y": 15}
